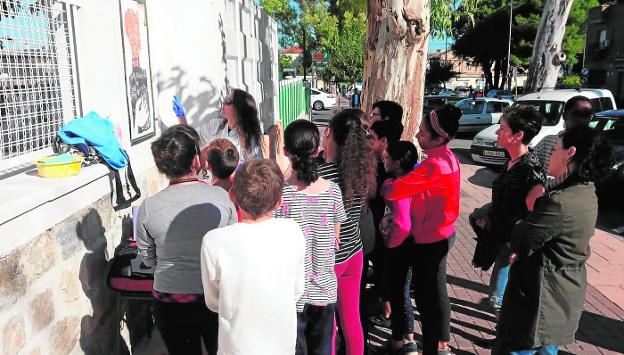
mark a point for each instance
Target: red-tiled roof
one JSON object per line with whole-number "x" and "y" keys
{"x": 292, "y": 50}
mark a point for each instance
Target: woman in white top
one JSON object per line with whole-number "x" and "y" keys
{"x": 239, "y": 123}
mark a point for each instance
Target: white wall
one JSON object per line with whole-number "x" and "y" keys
{"x": 198, "y": 49}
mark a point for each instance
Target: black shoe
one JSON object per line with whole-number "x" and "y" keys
{"x": 410, "y": 348}
{"x": 380, "y": 321}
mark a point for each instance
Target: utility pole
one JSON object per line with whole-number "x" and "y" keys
{"x": 304, "y": 53}
{"x": 509, "y": 44}
{"x": 445, "y": 53}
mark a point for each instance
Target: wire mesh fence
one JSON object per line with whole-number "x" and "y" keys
{"x": 36, "y": 75}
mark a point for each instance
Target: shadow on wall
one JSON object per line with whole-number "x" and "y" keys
{"x": 199, "y": 104}
{"x": 265, "y": 71}
{"x": 226, "y": 81}
{"x": 99, "y": 331}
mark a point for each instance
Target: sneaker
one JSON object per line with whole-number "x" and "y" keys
{"x": 446, "y": 351}
{"x": 380, "y": 321}
{"x": 410, "y": 348}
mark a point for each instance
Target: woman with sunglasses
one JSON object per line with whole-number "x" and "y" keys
{"x": 170, "y": 228}
{"x": 239, "y": 123}
{"x": 433, "y": 187}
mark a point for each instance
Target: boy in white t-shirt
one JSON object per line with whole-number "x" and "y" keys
{"x": 253, "y": 271}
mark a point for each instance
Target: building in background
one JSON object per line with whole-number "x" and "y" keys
{"x": 469, "y": 74}
{"x": 604, "y": 49}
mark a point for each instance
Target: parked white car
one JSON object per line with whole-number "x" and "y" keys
{"x": 484, "y": 148}
{"x": 446, "y": 92}
{"x": 321, "y": 100}
{"x": 480, "y": 112}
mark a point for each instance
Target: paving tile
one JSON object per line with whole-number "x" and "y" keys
{"x": 601, "y": 329}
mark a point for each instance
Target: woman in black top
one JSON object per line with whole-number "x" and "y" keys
{"x": 514, "y": 191}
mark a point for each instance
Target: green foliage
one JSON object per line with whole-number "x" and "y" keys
{"x": 346, "y": 50}
{"x": 339, "y": 7}
{"x": 283, "y": 12}
{"x": 285, "y": 61}
{"x": 439, "y": 72}
{"x": 526, "y": 21}
{"x": 572, "y": 81}
{"x": 576, "y": 28}
{"x": 444, "y": 13}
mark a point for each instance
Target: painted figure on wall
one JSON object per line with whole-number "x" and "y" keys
{"x": 139, "y": 96}
{"x": 137, "y": 69}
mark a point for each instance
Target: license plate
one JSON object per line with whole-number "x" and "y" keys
{"x": 494, "y": 153}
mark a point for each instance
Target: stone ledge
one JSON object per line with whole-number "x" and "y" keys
{"x": 30, "y": 204}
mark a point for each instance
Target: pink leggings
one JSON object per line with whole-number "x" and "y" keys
{"x": 349, "y": 274}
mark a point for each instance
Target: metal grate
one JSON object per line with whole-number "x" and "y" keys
{"x": 36, "y": 74}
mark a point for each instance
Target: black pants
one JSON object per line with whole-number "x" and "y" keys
{"x": 314, "y": 329}
{"x": 181, "y": 326}
{"x": 381, "y": 265}
{"x": 428, "y": 262}
{"x": 399, "y": 280}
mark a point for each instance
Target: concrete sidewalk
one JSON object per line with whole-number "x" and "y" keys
{"x": 601, "y": 329}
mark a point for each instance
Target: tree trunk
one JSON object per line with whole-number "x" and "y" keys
{"x": 497, "y": 72}
{"x": 487, "y": 72}
{"x": 396, "y": 57}
{"x": 545, "y": 63}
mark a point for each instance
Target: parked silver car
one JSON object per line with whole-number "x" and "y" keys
{"x": 480, "y": 113}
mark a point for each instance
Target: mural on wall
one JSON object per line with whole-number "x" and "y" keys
{"x": 138, "y": 73}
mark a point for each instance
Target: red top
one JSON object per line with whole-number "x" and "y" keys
{"x": 434, "y": 191}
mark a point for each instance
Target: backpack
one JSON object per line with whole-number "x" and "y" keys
{"x": 93, "y": 137}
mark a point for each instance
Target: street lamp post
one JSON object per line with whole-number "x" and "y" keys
{"x": 509, "y": 44}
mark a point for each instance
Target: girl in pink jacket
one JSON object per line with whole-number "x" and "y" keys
{"x": 399, "y": 159}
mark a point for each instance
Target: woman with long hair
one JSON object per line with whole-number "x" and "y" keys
{"x": 347, "y": 154}
{"x": 239, "y": 123}
{"x": 170, "y": 228}
{"x": 434, "y": 191}
{"x": 544, "y": 297}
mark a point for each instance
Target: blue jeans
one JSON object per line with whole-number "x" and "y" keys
{"x": 500, "y": 275}
{"x": 542, "y": 350}
{"x": 315, "y": 327}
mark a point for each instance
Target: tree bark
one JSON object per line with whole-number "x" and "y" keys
{"x": 487, "y": 72}
{"x": 497, "y": 72}
{"x": 544, "y": 68}
{"x": 396, "y": 57}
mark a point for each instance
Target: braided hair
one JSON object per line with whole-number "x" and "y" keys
{"x": 301, "y": 140}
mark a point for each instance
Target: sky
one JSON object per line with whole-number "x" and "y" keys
{"x": 437, "y": 43}
{"x": 24, "y": 31}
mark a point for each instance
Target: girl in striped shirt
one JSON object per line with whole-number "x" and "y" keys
{"x": 350, "y": 163}
{"x": 316, "y": 204}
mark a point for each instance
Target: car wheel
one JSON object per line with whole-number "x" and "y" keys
{"x": 318, "y": 105}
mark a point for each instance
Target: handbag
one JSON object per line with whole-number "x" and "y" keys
{"x": 485, "y": 250}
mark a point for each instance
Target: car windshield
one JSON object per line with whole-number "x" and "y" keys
{"x": 611, "y": 127}
{"x": 469, "y": 106}
{"x": 551, "y": 110}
